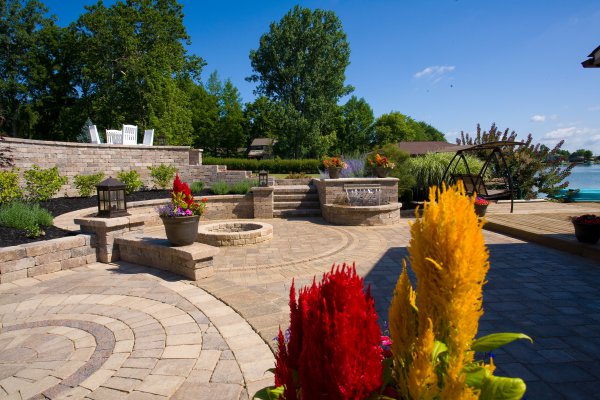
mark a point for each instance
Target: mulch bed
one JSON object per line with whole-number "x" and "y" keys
{"x": 62, "y": 205}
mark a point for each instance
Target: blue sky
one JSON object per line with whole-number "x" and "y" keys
{"x": 451, "y": 63}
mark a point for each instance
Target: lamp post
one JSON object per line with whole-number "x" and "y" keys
{"x": 111, "y": 198}
{"x": 263, "y": 178}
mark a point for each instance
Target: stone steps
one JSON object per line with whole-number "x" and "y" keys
{"x": 297, "y": 213}
{"x": 295, "y": 201}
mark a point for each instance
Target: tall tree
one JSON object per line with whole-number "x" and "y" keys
{"x": 20, "y": 24}
{"x": 356, "y": 126}
{"x": 261, "y": 119}
{"x": 397, "y": 127}
{"x": 231, "y": 121}
{"x": 301, "y": 63}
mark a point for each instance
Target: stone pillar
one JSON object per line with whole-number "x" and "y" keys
{"x": 106, "y": 230}
{"x": 195, "y": 156}
{"x": 263, "y": 202}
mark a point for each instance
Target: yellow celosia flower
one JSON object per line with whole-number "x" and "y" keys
{"x": 422, "y": 380}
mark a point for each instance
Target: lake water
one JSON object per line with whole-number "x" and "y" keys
{"x": 585, "y": 177}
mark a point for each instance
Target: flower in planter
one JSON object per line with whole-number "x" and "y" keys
{"x": 480, "y": 201}
{"x": 381, "y": 161}
{"x": 334, "y": 162}
{"x": 182, "y": 202}
{"x": 587, "y": 219}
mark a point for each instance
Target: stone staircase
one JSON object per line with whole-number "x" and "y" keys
{"x": 296, "y": 201}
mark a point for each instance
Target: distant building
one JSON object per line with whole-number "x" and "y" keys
{"x": 420, "y": 148}
{"x": 594, "y": 61}
{"x": 261, "y": 148}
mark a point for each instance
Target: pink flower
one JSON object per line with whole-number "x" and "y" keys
{"x": 188, "y": 212}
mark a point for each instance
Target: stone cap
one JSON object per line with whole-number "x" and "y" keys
{"x": 194, "y": 251}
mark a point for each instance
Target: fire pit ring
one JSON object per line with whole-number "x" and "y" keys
{"x": 235, "y": 233}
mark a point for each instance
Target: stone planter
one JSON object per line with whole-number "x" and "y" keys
{"x": 382, "y": 172}
{"x": 181, "y": 231}
{"x": 480, "y": 209}
{"x": 334, "y": 172}
{"x": 587, "y": 233}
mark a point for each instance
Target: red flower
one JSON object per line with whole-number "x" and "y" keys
{"x": 587, "y": 219}
{"x": 182, "y": 187}
{"x": 334, "y": 340}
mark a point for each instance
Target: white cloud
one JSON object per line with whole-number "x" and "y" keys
{"x": 575, "y": 138}
{"x": 561, "y": 133}
{"x": 435, "y": 71}
{"x": 538, "y": 118}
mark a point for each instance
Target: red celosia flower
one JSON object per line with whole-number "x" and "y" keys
{"x": 182, "y": 187}
{"x": 587, "y": 219}
{"x": 334, "y": 341}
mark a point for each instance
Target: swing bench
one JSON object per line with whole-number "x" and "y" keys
{"x": 501, "y": 188}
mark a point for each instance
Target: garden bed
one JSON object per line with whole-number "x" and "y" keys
{"x": 62, "y": 205}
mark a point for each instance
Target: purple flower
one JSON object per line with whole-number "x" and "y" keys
{"x": 188, "y": 212}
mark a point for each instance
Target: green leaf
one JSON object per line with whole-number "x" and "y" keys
{"x": 502, "y": 388}
{"x": 475, "y": 375}
{"x": 495, "y": 340}
{"x": 439, "y": 348}
{"x": 269, "y": 393}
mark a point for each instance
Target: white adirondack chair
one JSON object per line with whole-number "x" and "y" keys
{"x": 148, "y": 137}
{"x": 114, "y": 136}
{"x": 94, "y": 137}
{"x": 130, "y": 134}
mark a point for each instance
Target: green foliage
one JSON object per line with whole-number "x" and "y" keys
{"x": 296, "y": 175}
{"x": 310, "y": 46}
{"x": 405, "y": 179}
{"x": 533, "y": 167}
{"x": 9, "y": 186}
{"x": 25, "y": 216}
{"x": 196, "y": 187}
{"x": 428, "y": 170}
{"x": 162, "y": 175}
{"x": 243, "y": 187}
{"x": 261, "y": 119}
{"x": 220, "y": 187}
{"x": 356, "y": 126}
{"x": 86, "y": 184}
{"x": 84, "y": 133}
{"x": 42, "y": 184}
{"x": 396, "y": 127}
{"x": 131, "y": 179}
{"x": 276, "y": 166}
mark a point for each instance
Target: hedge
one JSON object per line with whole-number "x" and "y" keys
{"x": 277, "y": 166}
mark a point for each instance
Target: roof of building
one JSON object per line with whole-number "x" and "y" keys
{"x": 263, "y": 142}
{"x": 417, "y": 148}
{"x": 256, "y": 153}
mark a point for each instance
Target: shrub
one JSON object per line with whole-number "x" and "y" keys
{"x": 9, "y": 186}
{"x": 356, "y": 166}
{"x": 196, "y": 187}
{"x": 131, "y": 179}
{"x": 42, "y": 184}
{"x": 220, "y": 187}
{"x": 276, "y": 166}
{"x": 162, "y": 175}
{"x": 86, "y": 184}
{"x": 243, "y": 187}
{"x": 25, "y": 216}
{"x": 405, "y": 179}
{"x": 296, "y": 175}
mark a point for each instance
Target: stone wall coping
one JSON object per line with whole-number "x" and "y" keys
{"x": 380, "y": 208}
{"x": 24, "y": 250}
{"x": 365, "y": 180}
{"x": 94, "y": 222}
{"x": 262, "y": 189}
{"x": 195, "y": 251}
{"x": 102, "y": 145}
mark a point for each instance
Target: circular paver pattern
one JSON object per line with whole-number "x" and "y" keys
{"x": 235, "y": 233}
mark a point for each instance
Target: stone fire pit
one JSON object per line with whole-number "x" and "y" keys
{"x": 235, "y": 233}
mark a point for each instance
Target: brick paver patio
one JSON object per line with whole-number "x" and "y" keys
{"x": 126, "y": 331}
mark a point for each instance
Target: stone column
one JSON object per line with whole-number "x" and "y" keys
{"x": 263, "y": 202}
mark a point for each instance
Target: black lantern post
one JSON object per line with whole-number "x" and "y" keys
{"x": 111, "y": 198}
{"x": 263, "y": 178}
{"x": 161, "y": 140}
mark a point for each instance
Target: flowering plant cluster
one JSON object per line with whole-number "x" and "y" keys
{"x": 480, "y": 201}
{"x": 381, "y": 161}
{"x": 587, "y": 219}
{"x": 334, "y": 162}
{"x": 182, "y": 202}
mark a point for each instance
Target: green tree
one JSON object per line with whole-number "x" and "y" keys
{"x": 261, "y": 119}
{"x": 20, "y": 26}
{"x": 587, "y": 155}
{"x": 531, "y": 165}
{"x": 356, "y": 126}
{"x": 231, "y": 122}
{"x": 396, "y": 127}
{"x": 300, "y": 64}
{"x": 205, "y": 117}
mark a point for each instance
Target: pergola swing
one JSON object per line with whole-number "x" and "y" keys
{"x": 500, "y": 188}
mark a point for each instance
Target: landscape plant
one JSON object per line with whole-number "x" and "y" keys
{"x": 10, "y": 188}
{"x": 274, "y": 166}
{"x": 400, "y": 158}
{"x": 196, "y": 187}
{"x": 220, "y": 187}
{"x": 355, "y": 166}
{"x": 242, "y": 187}
{"x": 86, "y": 184}
{"x": 182, "y": 202}
{"x": 41, "y": 184}
{"x": 162, "y": 175}
{"x": 131, "y": 179}
{"x": 26, "y": 216}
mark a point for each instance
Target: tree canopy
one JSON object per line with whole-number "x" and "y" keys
{"x": 396, "y": 127}
{"x": 300, "y": 64}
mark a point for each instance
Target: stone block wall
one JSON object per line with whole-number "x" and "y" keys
{"x": 86, "y": 158}
{"x": 331, "y": 191}
{"x": 32, "y": 259}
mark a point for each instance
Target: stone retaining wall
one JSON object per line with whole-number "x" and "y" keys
{"x": 28, "y": 260}
{"x": 86, "y": 158}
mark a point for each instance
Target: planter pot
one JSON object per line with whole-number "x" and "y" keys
{"x": 587, "y": 233}
{"x": 334, "y": 172}
{"x": 480, "y": 209}
{"x": 382, "y": 172}
{"x": 181, "y": 231}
